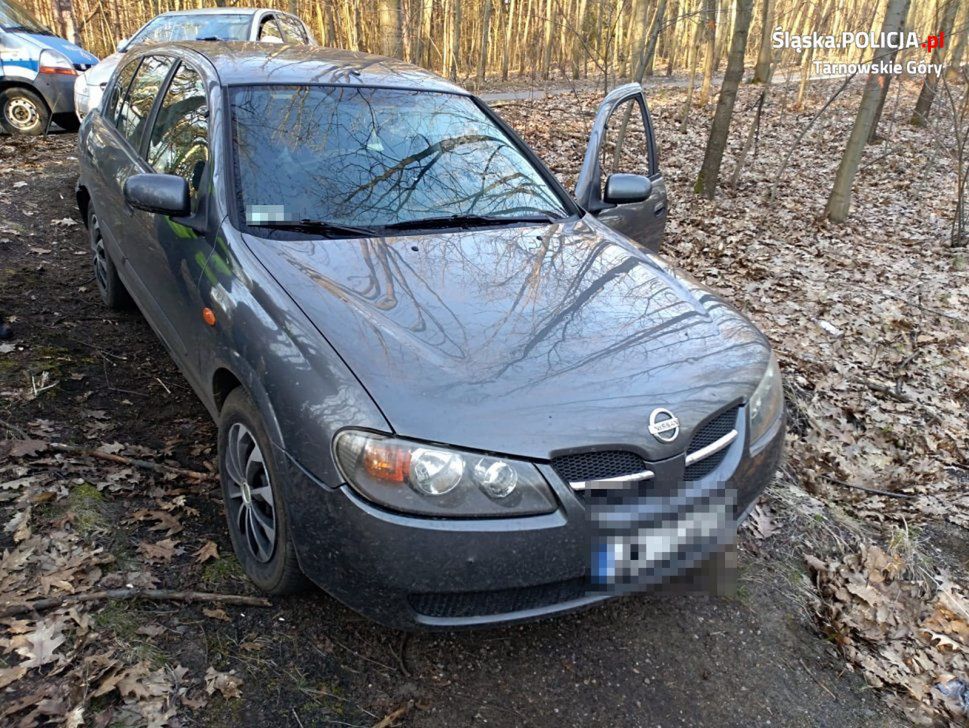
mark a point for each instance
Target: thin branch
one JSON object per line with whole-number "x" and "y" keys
{"x": 156, "y": 595}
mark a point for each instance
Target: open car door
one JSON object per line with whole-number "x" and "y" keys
{"x": 620, "y": 182}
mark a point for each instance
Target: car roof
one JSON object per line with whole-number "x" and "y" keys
{"x": 216, "y": 11}
{"x": 250, "y": 62}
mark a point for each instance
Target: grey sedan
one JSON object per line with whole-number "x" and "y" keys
{"x": 448, "y": 392}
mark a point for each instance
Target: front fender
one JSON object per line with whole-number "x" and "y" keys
{"x": 301, "y": 386}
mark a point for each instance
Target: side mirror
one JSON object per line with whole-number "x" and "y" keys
{"x": 624, "y": 188}
{"x": 123, "y": 44}
{"x": 164, "y": 194}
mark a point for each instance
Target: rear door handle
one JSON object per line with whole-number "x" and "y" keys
{"x": 659, "y": 209}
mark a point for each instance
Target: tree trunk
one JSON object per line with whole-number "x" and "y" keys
{"x": 645, "y": 67}
{"x": 839, "y": 203}
{"x": 762, "y": 69}
{"x": 669, "y": 47}
{"x": 706, "y": 183}
{"x": 506, "y": 51}
{"x": 485, "y": 32}
{"x": 455, "y": 37}
{"x": 694, "y": 58}
{"x": 578, "y": 40}
{"x": 547, "y": 47}
{"x": 710, "y": 48}
{"x": 390, "y": 31}
{"x": 923, "y": 106}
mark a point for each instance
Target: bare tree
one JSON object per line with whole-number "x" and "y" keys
{"x": 927, "y": 95}
{"x": 485, "y": 32}
{"x": 762, "y": 69}
{"x": 710, "y": 48}
{"x": 839, "y": 202}
{"x": 706, "y": 182}
{"x": 390, "y": 27}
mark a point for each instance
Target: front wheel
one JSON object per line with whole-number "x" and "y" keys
{"x": 23, "y": 112}
{"x": 254, "y": 509}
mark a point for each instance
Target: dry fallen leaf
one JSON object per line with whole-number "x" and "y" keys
{"x": 210, "y": 550}
{"x": 227, "y": 683}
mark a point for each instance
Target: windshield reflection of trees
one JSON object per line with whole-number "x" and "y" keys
{"x": 368, "y": 157}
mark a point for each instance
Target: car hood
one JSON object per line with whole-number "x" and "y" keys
{"x": 100, "y": 74}
{"x": 75, "y": 54}
{"x": 529, "y": 341}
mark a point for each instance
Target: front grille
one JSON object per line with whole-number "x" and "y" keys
{"x": 599, "y": 465}
{"x": 502, "y": 601}
{"x": 709, "y": 433}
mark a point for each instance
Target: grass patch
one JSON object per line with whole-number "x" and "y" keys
{"x": 121, "y": 619}
{"x": 85, "y": 504}
{"x": 222, "y": 571}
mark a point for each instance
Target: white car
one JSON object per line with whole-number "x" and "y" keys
{"x": 259, "y": 24}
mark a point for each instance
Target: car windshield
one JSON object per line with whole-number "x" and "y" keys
{"x": 195, "y": 26}
{"x": 367, "y": 158}
{"x": 13, "y": 17}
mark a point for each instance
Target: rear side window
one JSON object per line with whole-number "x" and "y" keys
{"x": 179, "y": 138}
{"x": 119, "y": 91}
{"x": 141, "y": 96}
{"x": 293, "y": 31}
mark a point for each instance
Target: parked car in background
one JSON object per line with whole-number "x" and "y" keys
{"x": 447, "y": 392}
{"x": 261, "y": 24}
{"x": 37, "y": 73}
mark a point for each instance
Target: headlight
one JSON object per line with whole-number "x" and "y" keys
{"x": 54, "y": 62}
{"x": 439, "y": 481}
{"x": 767, "y": 401}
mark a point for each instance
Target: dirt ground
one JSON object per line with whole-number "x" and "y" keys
{"x": 79, "y": 374}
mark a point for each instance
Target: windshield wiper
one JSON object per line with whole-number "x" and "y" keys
{"x": 461, "y": 221}
{"x": 25, "y": 29}
{"x": 317, "y": 227}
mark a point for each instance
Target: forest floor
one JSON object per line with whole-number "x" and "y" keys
{"x": 841, "y": 589}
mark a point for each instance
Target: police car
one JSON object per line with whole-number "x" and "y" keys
{"x": 37, "y": 73}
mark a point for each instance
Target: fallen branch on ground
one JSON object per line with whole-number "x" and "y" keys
{"x": 873, "y": 491}
{"x": 156, "y": 595}
{"x": 122, "y": 460}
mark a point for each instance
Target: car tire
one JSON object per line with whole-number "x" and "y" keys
{"x": 252, "y": 495}
{"x": 23, "y": 112}
{"x": 112, "y": 290}
{"x": 67, "y": 121}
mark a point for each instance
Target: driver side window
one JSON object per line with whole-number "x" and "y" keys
{"x": 179, "y": 138}
{"x": 625, "y": 148}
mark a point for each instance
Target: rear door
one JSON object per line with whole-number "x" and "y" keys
{"x": 125, "y": 229}
{"x": 622, "y": 142}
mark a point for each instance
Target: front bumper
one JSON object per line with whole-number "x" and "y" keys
{"x": 87, "y": 97}
{"x": 423, "y": 573}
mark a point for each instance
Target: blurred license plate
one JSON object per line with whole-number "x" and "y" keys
{"x": 628, "y": 557}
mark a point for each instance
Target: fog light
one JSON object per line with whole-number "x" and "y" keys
{"x": 495, "y": 477}
{"x": 435, "y": 472}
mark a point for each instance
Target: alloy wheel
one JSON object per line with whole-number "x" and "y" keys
{"x": 252, "y": 507}
{"x": 100, "y": 255}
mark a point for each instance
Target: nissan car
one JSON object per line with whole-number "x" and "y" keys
{"x": 448, "y": 392}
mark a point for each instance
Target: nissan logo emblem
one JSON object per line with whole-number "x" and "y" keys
{"x": 663, "y": 425}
